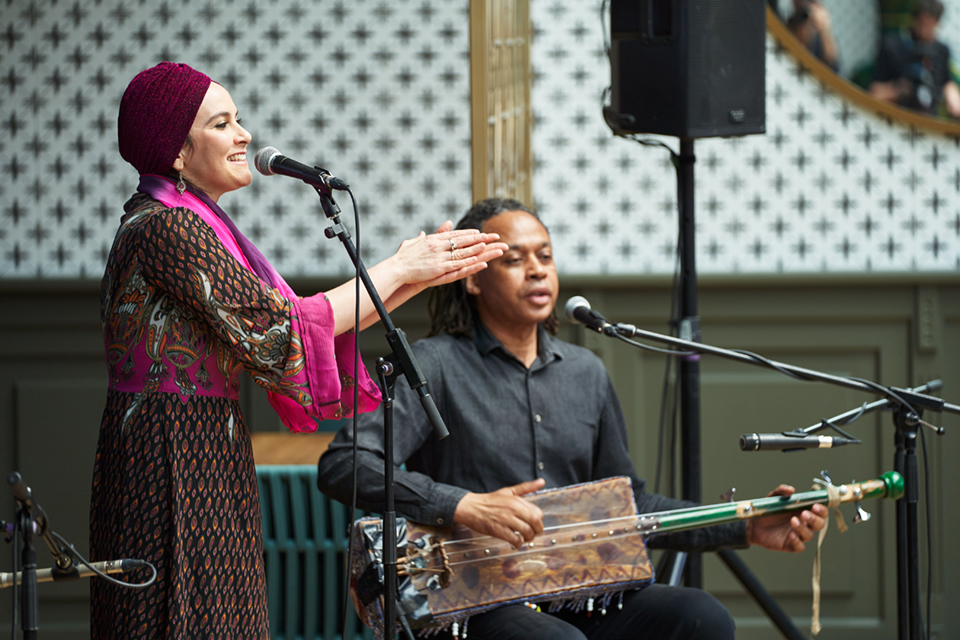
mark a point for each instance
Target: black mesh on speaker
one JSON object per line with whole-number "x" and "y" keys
{"x": 726, "y": 66}
{"x": 706, "y": 80}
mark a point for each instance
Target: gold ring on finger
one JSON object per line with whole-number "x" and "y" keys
{"x": 453, "y": 244}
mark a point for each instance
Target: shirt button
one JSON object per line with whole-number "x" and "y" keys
{"x": 439, "y": 520}
{"x": 540, "y": 466}
{"x": 537, "y": 418}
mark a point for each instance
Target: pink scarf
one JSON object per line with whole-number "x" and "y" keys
{"x": 329, "y": 359}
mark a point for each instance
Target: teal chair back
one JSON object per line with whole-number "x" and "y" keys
{"x": 304, "y": 545}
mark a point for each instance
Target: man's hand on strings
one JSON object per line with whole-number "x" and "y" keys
{"x": 504, "y": 513}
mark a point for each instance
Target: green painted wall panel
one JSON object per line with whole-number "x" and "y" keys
{"x": 896, "y": 330}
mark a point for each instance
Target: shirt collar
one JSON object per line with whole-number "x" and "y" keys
{"x": 486, "y": 343}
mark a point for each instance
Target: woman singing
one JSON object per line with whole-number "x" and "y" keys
{"x": 187, "y": 304}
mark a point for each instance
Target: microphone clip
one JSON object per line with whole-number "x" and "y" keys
{"x": 620, "y": 329}
{"x": 827, "y": 424}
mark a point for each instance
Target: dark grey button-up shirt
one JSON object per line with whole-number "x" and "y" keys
{"x": 559, "y": 420}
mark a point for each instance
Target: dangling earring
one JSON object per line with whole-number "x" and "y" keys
{"x": 181, "y": 185}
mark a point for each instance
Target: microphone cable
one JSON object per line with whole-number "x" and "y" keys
{"x": 345, "y": 610}
{"x": 66, "y": 546}
{"x": 120, "y": 583}
{"x": 647, "y": 347}
{"x": 663, "y": 430}
{"x": 668, "y": 373}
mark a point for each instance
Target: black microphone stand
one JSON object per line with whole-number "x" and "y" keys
{"x": 25, "y": 516}
{"x": 909, "y": 406}
{"x": 387, "y": 373}
{"x": 32, "y": 521}
{"x": 403, "y": 361}
{"x": 909, "y": 618}
{"x": 905, "y": 463}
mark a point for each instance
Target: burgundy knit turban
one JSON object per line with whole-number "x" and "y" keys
{"x": 156, "y": 113}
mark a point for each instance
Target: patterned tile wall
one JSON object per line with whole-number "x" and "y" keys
{"x": 828, "y": 188}
{"x": 378, "y": 92}
{"x": 948, "y": 30}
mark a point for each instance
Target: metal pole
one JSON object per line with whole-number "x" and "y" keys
{"x": 689, "y": 369}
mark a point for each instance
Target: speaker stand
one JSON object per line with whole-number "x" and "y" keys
{"x": 689, "y": 374}
{"x": 689, "y": 367}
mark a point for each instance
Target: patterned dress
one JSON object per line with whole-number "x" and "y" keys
{"x": 174, "y": 479}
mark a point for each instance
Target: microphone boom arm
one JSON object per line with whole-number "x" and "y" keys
{"x": 894, "y": 394}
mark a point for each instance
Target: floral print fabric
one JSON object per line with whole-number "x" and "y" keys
{"x": 174, "y": 479}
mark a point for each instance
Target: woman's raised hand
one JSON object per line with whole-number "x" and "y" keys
{"x": 445, "y": 256}
{"x": 421, "y": 262}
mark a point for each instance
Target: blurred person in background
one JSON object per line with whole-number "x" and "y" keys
{"x": 915, "y": 70}
{"x": 810, "y": 24}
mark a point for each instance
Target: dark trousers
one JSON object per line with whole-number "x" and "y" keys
{"x": 656, "y": 612}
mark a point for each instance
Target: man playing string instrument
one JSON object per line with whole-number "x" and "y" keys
{"x": 527, "y": 411}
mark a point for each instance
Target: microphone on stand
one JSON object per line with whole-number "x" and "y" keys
{"x": 270, "y": 162}
{"x": 74, "y": 573}
{"x": 578, "y": 311}
{"x": 781, "y": 442}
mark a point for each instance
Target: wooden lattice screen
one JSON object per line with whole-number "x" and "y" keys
{"x": 500, "y": 98}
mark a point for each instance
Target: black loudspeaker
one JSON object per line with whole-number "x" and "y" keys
{"x": 687, "y": 68}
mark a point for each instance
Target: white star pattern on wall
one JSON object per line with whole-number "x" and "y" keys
{"x": 375, "y": 91}
{"x": 828, "y": 188}
{"x": 378, "y": 93}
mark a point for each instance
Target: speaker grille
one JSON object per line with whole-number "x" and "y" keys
{"x": 706, "y": 79}
{"x": 726, "y": 67}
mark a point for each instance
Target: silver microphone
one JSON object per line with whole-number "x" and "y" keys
{"x": 75, "y": 573}
{"x": 578, "y": 311}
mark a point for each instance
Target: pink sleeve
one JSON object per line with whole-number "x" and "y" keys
{"x": 327, "y": 369}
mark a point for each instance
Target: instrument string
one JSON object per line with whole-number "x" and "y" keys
{"x": 480, "y": 545}
{"x": 592, "y": 535}
{"x": 548, "y": 531}
{"x": 594, "y": 524}
{"x": 525, "y": 549}
{"x": 796, "y": 501}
